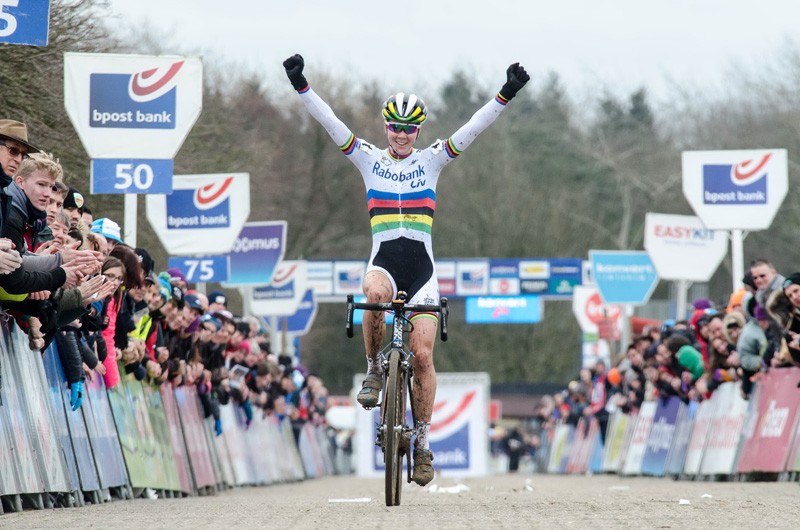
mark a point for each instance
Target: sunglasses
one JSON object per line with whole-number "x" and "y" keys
{"x": 15, "y": 151}
{"x": 403, "y": 127}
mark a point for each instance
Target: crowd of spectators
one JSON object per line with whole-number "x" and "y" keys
{"x": 67, "y": 276}
{"x": 757, "y": 331}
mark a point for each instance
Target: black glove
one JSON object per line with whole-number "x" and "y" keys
{"x": 517, "y": 77}
{"x": 294, "y": 71}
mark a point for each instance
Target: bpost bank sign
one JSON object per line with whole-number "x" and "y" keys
{"x": 141, "y": 100}
{"x": 735, "y": 189}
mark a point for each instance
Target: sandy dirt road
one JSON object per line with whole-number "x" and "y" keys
{"x": 502, "y": 501}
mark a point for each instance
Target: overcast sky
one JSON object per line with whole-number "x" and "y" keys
{"x": 415, "y": 44}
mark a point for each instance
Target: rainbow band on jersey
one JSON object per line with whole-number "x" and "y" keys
{"x": 304, "y": 90}
{"x": 349, "y": 146}
{"x": 389, "y": 211}
{"x": 415, "y": 316}
{"x": 500, "y": 99}
{"x": 450, "y": 147}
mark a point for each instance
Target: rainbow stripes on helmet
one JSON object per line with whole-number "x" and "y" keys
{"x": 405, "y": 108}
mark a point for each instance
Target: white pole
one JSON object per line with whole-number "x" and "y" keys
{"x": 131, "y": 214}
{"x": 682, "y": 289}
{"x": 737, "y": 258}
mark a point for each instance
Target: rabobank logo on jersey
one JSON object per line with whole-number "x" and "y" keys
{"x": 735, "y": 184}
{"x": 139, "y": 100}
{"x": 208, "y": 206}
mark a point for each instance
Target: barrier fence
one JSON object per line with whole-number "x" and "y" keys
{"x": 722, "y": 436}
{"x": 132, "y": 438}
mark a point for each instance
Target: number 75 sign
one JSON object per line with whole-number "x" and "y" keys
{"x": 202, "y": 270}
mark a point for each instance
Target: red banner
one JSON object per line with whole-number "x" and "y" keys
{"x": 768, "y": 446}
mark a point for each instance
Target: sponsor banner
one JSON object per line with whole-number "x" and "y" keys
{"x": 680, "y": 442}
{"x": 682, "y": 248}
{"x": 196, "y": 444}
{"x": 472, "y": 277}
{"x": 282, "y": 296}
{"x": 102, "y": 432}
{"x": 697, "y": 441}
{"x": 735, "y": 189}
{"x": 623, "y": 277}
{"x": 634, "y": 458}
{"x": 27, "y": 23}
{"x": 257, "y": 252}
{"x": 725, "y": 431}
{"x": 503, "y": 309}
{"x": 768, "y": 446}
{"x": 615, "y": 442}
{"x": 348, "y": 276}
{"x": 457, "y": 433}
{"x": 320, "y": 277}
{"x": 590, "y": 310}
{"x": 446, "y": 275}
{"x": 661, "y": 436}
{"x": 203, "y": 215}
{"x": 534, "y": 269}
{"x": 561, "y": 448}
{"x": 132, "y": 106}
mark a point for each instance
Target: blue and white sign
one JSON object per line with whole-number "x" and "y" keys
{"x": 204, "y": 213}
{"x": 525, "y": 309}
{"x": 257, "y": 252}
{"x": 132, "y": 106}
{"x": 203, "y": 269}
{"x": 739, "y": 190}
{"x": 623, "y": 277}
{"x": 301, "y": 321}
{"x": 283, "y": 295}
{"x": 28, "y": 23}
{"x": 131, "y": 176}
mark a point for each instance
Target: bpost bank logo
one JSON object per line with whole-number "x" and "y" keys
{"x": 142, "y": 100}
{"x": 742, "y": 183}
{"x": 208, "y": 206}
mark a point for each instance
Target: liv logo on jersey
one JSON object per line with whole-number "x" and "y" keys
{"x": 142, "y": 100}
{"x": 208, "y": 206}
{"x": 742, "y": 183}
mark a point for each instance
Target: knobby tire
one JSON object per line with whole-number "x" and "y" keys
{"x": 395, "y": 417}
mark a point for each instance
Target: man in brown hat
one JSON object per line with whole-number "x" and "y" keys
{"x": 14, "y": 148}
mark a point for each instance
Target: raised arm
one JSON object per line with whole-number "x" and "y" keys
{"x": 516, "y": 77}
{"x": 318, "y": 109}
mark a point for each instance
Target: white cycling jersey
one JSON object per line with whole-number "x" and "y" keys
{"x": 401, "y": 195}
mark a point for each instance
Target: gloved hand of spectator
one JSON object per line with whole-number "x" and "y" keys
{"x": 218, "y": 426}
{"x": 76, "y": 395}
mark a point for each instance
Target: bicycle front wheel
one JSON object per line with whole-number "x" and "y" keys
{"x": 394, "y": 418}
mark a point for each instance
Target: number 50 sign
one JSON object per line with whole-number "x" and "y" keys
{"x": 26, "y": 24}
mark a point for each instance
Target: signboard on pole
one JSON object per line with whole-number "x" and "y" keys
{"x": 283, "y": 295}
{"x": 257, "y": 252}
{"x": 623, "y": 277}
{"x": 132, "y": 114}
{"x": 28, "y": 23}
{"x": 301, "y": 321}
{"x": 735, "y": 189}
{"x": 203, "y": 215}
{"x": 682, "y": 248}
{"x": 504, "y": 309}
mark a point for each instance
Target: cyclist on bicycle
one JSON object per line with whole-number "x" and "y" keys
{"x": 401, "y": 198}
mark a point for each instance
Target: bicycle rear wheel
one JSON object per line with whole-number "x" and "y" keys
{"x": 394, "y": 419}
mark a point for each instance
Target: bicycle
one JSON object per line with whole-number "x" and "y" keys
{"x": 394, "y": 432}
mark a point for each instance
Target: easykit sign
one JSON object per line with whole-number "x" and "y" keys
{"x": 735, "y": 189}
{"x": 682, "y": 248}
{"x": 132, "y": 114}
{"x": 203, "y": 215}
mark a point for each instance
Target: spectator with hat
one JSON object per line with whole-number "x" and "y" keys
{"x": 73, "y": 205}
{"x": 14, "y": 148}
{"x": 217, "y": 301}
{"x": 110, "y": 232}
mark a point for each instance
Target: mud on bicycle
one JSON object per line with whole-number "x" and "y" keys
{"x": 394, "y": 431}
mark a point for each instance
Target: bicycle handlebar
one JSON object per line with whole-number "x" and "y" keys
{"x": 394, "y": 306}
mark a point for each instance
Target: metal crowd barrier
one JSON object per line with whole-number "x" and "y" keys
{"x": 129, "y": 439}
{"x": 725, "y": 436}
